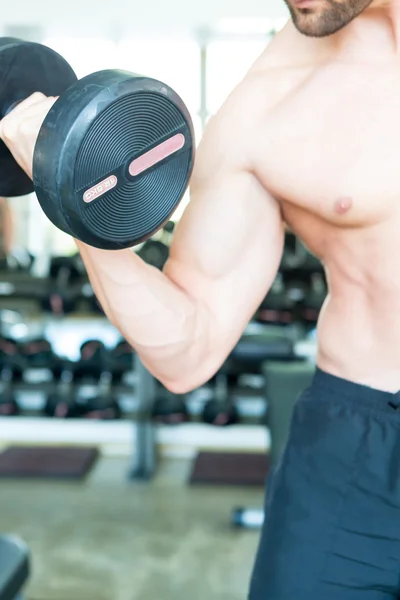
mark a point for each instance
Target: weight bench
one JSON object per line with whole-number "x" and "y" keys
{"x": 14, "y": 567}
{"x": 284, "y": 382}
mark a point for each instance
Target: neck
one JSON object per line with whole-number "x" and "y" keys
{"x": 373, "y": 36}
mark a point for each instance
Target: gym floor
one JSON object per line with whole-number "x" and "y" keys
{"x": 109, "y": 539}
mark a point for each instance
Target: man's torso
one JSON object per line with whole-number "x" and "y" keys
{"x": 328, "y": 149}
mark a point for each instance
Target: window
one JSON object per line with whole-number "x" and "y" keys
{"x": 86, "y": 55}
{"x": 227, "y": 63}
{"x": 176, "y": 63}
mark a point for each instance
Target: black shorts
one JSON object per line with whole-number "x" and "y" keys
{"x": 332, "y": 525}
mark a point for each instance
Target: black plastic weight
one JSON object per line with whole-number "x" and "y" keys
{"x": 114, "y": 155}
{"x": 113, "y": 158}
{"x": 25, "y": 68}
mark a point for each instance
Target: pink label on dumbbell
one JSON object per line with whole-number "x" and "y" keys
{"x": 100, "y": 188}
{"x": 157, "y": 154}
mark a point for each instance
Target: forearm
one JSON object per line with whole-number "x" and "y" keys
{"x": 167, "y": 327}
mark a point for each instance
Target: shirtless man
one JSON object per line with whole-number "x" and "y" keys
{"x": 310, "y": 138}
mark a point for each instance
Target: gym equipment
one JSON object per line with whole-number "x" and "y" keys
{"x": 115, "y": 153}
{"x": 25, "y": 68}
{"x": 41, "y": 364}
{"x": 64, "y": 274}
{"x": 67, "y": 268}
{"x": 291, "y": 255}
{"x": 38, "y": 353}
{"x": 277, "y": 307}
{"x": 284, "y": 382}
{"x": 144, "y": 459}
{"x": 8, "y": 404}
{"x": 40, "y": 361}
{"x": 221, "y": 410}
{"x": 102, "y": 405}
{"x": 310, "y": 262}
{"x": 14, "y": 567}
{"x": 169, "y": 228}
{"x": 92, "y": 362}
{"x": 11, "y": 358}
{"x": 155, "y": 252}
{"x": 61, "y": 403}
{"x": 315, "y": 298}
{"x": 169, "y": 409}
{"x": 9, "y": 321}
{"x": 95, "y": 305}
{"x": 248, "y": 518}
{"x": 121, "y": 360}
{"x": 18, "y": 260}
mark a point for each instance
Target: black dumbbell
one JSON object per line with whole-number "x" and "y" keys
{"x": 9, "y": 406}
{"x": 170, "y": 409}
{"x": 221, "y": 410}
{"x": 277, "y": 306}
{"x": 61, "y": 404}
{"x": 315, "y": 298}
{"x": 102, "y": 404}
{"x": 114, "y": 155}
{"x": 64, "y": 274}
{"x": 92, "y": 362}
{"x": 11, "y": 357}
{"x": 155, "y": 252}
{"x": 38, "y": 353}
{"x": 18, "y": 260}
{"x": 121, "y": 360}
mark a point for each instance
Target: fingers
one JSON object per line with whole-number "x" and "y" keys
{"x": 33, "y": 110}
{"x": 19, "y": 129}
{"x": 28, "y": 102}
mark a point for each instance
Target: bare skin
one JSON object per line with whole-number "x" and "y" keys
{"x": 315, "y": 144}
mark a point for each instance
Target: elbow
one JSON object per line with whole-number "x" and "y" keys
{"x": 186, "y": 384}
{"x": 183, "y": 386}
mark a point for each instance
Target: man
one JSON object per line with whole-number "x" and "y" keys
{"x": 310, "y": 138}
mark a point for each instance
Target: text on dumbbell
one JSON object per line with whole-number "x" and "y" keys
{"x": 100, "y": 188}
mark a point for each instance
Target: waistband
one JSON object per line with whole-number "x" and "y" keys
{"x": 355, "y": 392}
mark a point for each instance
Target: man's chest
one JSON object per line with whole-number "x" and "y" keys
{"x": 335, "y": 137}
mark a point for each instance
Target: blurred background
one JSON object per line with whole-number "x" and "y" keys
{"x": 110, "y": 486}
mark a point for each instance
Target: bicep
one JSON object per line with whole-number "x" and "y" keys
{"x": 227, "y": 250}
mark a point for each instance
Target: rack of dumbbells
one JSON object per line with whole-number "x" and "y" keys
{"x": 103, "y": 380}
{"x": 42, "y": 376}
{"x": 298, "y": 292}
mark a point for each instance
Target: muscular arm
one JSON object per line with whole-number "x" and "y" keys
{"x": 185, "y": 321}
{"x": 225, "y": 254}
{"x": 224, "y": 257}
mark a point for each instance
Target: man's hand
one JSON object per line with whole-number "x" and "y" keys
{"x": 20, "y": 128}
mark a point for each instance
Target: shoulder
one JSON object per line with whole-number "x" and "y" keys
{"x": 228, "y": 135}
{"x": 232, "y": 134}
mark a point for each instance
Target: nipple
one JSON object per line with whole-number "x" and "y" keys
{"x": 343, "y": 205}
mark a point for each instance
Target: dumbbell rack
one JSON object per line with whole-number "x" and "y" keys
{"x": 144, "y": 460}
{"x": 19, "y": 290}
{"x": 26, "y": 293}
{"x": 143, "y": 464}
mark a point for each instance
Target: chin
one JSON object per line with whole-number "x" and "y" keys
{"x": 315, "y": 28}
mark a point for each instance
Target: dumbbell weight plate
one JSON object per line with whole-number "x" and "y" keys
{"x": 25, "y": 68}
{"x": 113, "y": 158}
{"x": 220, "y": 413}
{"x": 8, "y": 405}
{"x": 154, "y": 253}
